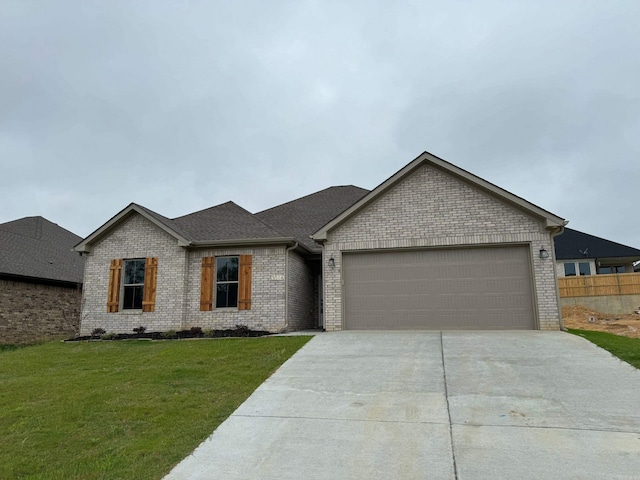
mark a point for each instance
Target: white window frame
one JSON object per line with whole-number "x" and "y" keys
{"x": 225, "y": 282}
{"x": 125, "y": 285}
{"x": 576, "y": 265}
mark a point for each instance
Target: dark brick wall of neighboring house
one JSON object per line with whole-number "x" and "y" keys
{"x": 31, "y": 312}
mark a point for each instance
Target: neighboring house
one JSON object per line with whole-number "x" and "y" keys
{"x": 432, "y": 247}
{"x": 40, "y": 281}
{"x": 579, "y": 253}
{"x": 597, "y": 274}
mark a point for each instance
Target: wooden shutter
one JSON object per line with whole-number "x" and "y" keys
{"x": 206, "y": 284}
{"x": 113, "y": 295}
{"x": 244, "y": 288}
{"x": 149, "y": 291}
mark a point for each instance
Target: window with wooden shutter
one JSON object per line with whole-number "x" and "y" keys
{"x": 244, "y": 295}
{"x": 113, "y": 294}
{"x": 149, "y": 293}
{"x": 206, "y": 284}
{"x": 227, "y": 274}
{"x": 232, "y": 278}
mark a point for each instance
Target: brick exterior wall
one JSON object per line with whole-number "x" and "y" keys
{"x": 267, "y": 292}
{"x": 136, "y": 237}
{"x": 178, "y": 284}
{"x": 302, "y": 302}
{"x": 430, "y": 208}
{"x": 31, "y": 312}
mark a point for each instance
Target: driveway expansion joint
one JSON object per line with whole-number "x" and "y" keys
{"x": 446, "y": 396}
{"x": 359, "y": 420}
{"x": 546, "y": 427}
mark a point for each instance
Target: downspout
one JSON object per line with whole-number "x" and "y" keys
{"x": 554, "y": 234}
{"x": 286, "y": 285}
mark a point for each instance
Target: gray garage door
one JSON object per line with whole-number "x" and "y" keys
{"x": 471, "y": 288}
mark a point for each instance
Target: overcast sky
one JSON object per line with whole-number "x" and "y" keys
{"x": 181, "y": 105}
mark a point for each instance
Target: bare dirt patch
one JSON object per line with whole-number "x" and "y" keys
{"x": 625, "y": 325}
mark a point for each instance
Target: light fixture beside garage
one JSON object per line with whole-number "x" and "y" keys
{"x": 543, "y": 253}
{"x": 332, "y": 262}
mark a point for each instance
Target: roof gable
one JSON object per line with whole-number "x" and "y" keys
{"x": 572, "y": 244}
{"x": 223, "y": 224}
{"x": 550, "y": 220}
{"x": 37, "y": 248}
{"x": 160, "y": 221}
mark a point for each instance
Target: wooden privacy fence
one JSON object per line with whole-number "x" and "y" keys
{"x": 598, "y": 285}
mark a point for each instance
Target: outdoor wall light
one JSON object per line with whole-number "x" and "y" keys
{"x": 332, "y": 262}
{"x": 543, "y": 253}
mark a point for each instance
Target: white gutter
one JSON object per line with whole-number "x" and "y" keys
{"x": 243, "y": 241}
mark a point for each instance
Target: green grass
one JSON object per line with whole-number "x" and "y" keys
{"x": 627, "y": 349}
{"x": 123, "y": 410}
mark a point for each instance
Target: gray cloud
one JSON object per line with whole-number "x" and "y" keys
{"x": 183, "y": 105}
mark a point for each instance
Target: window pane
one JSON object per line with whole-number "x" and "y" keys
{"x": 585, "y": 268}
{"x": 128, "y": 298}
{"x": 227, "y": 269}
{"x": 133, "y": 271}
{"x": 619, "y": 269}
{"x": 227, "y": 295}
{"x": 232, "y": 295}
{"x": 221, "y": 296}
{"x": 132, "y": 298}
{"x": 569, "y": 269}
{"x": 604, "y": 270}
{"x": 233, "y": 268}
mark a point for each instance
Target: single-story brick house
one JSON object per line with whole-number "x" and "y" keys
{"x": 580, "y": 254}
{"x": 432, "y": 247}
{"x": 40, "y": 281}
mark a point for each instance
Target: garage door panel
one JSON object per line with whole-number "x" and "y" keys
{"x": 473, "y": 288}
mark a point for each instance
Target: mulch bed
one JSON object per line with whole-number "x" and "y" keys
{"x": 181, "y": 334}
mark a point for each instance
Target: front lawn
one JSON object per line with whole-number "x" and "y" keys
{"x": 123, "y": 410}
{"x": 627, "y": 349}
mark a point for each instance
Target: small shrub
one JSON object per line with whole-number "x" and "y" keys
{"x": 209, "y": 333}
{"x": 97, "y": 332}
{"x": 195, "y": 331}
{"x": 8, "y": 346}
{"x": 242, "y": 330}
{"x": 109, "y": 336}
{"x": 141, "y": 329}
{"x": 170, "y": 334}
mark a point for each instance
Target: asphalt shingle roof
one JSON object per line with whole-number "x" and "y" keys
{"x": 35, "y": 247}
{"x": 302, "y": 217}
{"x": 167, "y": 222}
{"x": 227, "y": 221}
{"x": 572, "y": 244}
{"x": 297, "y": 219}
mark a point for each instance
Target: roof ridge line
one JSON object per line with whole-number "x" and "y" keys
{"x": 601, "y": 238}
{"x": 255, "y": 217}
{"x": 309, "y": 195}
{"x": 208, "y": 208}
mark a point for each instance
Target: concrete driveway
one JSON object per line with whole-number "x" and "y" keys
{"x": 431, "y": 405}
